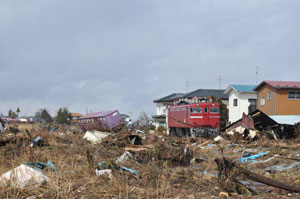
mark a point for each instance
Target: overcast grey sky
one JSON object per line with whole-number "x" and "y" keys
{"x": 123, "y": 54}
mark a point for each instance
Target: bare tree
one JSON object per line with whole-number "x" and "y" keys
{"x": 143, "y": 118}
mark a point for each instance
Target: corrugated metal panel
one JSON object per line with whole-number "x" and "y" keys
{"x": 286, "y": 119}
{"x": 98, "y": 114}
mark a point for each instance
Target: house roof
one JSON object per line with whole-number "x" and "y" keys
{"x": 169, "y": 98}
{"x": 206, "y": 93}
{"x": 240, "y": 88}
{"x": 76, "y": 114}
{"x": 124, "y": 115}
{"x": 280, "y": 84}
{"x": 98, "y": 114}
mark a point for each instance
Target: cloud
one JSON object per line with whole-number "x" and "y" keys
{"x": 101, "y": 55}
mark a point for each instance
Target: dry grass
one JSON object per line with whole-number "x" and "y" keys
{"x": 159, "y": 175}
{"x": 76, "y": 179}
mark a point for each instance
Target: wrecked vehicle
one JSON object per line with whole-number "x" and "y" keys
{"x": 199, "y": 119}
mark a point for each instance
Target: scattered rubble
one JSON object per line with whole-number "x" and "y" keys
{"x": 257, "y": 123}
{"x": 229, "y": 173}
{"x": 144, "y": 165}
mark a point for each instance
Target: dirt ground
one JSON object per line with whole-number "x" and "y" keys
{"x": 168, "y": 167}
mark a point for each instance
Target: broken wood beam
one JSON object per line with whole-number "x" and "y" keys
{"x": 223, "y": 163}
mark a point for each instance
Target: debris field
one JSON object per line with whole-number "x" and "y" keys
{"x": 67, "y": 163}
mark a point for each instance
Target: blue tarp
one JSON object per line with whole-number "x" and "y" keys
{"x": 38, "y": 138}
{"x": 52, "y": 129}
{"x": 102, "y": 164}
{"x": 252, "y": 157}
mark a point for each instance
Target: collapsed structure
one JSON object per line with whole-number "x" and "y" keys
{"x": 101, "y": 121}
{"x": 258, "y": 121}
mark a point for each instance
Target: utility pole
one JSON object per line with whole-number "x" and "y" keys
{"x": 257, "y": 67}
{"x": 220, "y": 79}
{"x": 187, "y": 86}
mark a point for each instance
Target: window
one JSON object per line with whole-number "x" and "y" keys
{"x": 262, "y": 101}
{"x": 205, "y": 110}
{"x": 178, "y": 109}
{"x": 235, "y": 102}
{"x": 195, "y": 110}
{"x": 293, "y": 95}
{"x": 270, "y": 95}
{"x": 214, "y": 110}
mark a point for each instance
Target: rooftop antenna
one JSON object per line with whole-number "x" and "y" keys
{"x": 187, "y": 86}
{"x": 257, "y": 67}
{"x": 220, "y": 79}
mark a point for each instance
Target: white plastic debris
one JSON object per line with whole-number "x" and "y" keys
{"x": 31, "y": 197}
{"x": 230, "y": 133}
{"x": 218, "y": 138}
{"x": 139, "y": 131}
{"x": 252, "y": 133}
{"x": 102, "y": 172}
{"x": 240, "y": 130}
{"x": 22, "y": 176}
{"x": 95, "y": 136}
{"x": 125, "y": 156}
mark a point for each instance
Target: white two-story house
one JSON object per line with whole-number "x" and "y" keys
{"x": 242, "y": 99}
{"x": 162, "y": 105}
